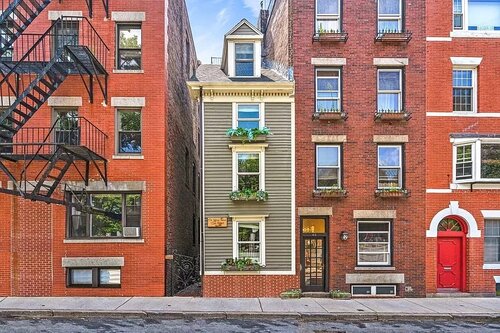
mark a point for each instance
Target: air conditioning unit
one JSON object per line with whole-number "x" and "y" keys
{"x": 131, "y": 232}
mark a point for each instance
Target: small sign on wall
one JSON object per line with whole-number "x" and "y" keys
{"x": 217, "y": 222}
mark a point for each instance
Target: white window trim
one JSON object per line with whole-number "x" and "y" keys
{"x": 262, "y": 164}
{"x": 339, "y": 99}
{"x": 256, "y": 48}
{"x": 465, "y": 21}
{"x": 400, "y": 91}
{"x": 392, "y": 17}
{"x": 472, "y": 68}
{"x": 337, "y": 17}
{"x": 339, "y": 156}
{"x": 373, "y": 290}
{"x": 489, "y": 265}
{"x": 476, "y": 160}
{"x": 262, "y": 234}
{"x": 400, "y": 178}
{"x": 262, "y": 113}
{"x": 362, "y": 264}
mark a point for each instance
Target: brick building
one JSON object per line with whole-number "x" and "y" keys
{"x": 463, "y": 147}
{"x": 100, "y": 125}
{"x": 360, "y": 141}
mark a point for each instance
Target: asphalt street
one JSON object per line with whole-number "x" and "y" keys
{"x": 84, "y": 325}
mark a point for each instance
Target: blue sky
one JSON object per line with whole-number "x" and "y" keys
{"x": 211, "y": 19}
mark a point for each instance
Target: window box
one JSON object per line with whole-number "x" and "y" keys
{"x": 392, "y": 193}
{"x": 248, "y": 195}
{"x": 391, "y": 115}
{"x": 330, "y": 115}
{"x": 393, "y": 36}
{"x": 331, "y": 37}
{"x": 330, "y": 193}
{"x": 245, "y": 135}
{"x": 240, "y": 265}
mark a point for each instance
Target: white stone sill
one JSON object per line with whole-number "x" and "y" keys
{"x": 491, "y": 266}
{"x": 128, "y": 71}
{"x": 128, "y": 157}
{"x": 361, "y": 268}
{"x": 475, "y": 34}
{"x": 94, "y": 241}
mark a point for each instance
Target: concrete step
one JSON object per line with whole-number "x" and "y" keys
{"x": 318, "y": 294}
{"x": 450, "y": 294}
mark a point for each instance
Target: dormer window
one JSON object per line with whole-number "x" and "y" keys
{"x": 244, "y": 57}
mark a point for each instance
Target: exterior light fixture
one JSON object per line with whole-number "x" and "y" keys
{"x": 344, "y": 235}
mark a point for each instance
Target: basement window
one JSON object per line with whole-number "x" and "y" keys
{"x": 94, "y": 277}
{"x": 373, "y": 290}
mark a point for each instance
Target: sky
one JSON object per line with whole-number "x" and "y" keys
{"x": 211, "y": 19}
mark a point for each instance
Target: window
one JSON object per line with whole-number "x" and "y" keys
{"x": 244, "y": 59}
{"x": 249, "y": 240}
{"x": 482, "y": 15}
{"x": 66, "y": 33}
{"x": 374, "y": 243}
{"x": 390, "y": 90}
{"x": 382, "y": 290}
{"x": 477, "y": 161}
{"x": 328, "y": 16}
{"x": 492, "y": 241}
{"x": 120, "y": 217}
{"x": 67, "y": 129}
{"x": 390, "y": 167}
{"x": 129, "y": 52}
{"x": 129, "y": 131}
{"x": 390, "y": 17}
{"x": 328, "y": 90}
{"x": 464, "y": 81}
{"x": 94, "y": 277}
{"x": 6, "y": 135}
{"x": 248, "y": 171}
{"x": 328, "y": 167}
{"x": 6, "y": 29}
{"x": 248, "y": 116}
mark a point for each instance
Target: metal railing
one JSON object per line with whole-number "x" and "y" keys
{"x": 30, "y": 53}
{"x": 216, "y": 61}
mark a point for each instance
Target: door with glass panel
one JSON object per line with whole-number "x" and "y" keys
{"x": 314, "y": 254}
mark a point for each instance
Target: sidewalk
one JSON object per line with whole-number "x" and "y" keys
{"x": 305, "y": 308}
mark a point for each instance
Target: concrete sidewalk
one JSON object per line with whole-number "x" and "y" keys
{"x": 305, "y": 308}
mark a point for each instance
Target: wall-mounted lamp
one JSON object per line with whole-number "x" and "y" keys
{"x": 344, "y": 235}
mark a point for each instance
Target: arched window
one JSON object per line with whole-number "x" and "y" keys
{"x": 449, "y": 224}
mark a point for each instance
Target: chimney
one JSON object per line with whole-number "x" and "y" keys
{"x": 263, "y": 17}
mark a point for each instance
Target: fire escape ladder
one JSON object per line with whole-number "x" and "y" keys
{"x": 15, "y": 19}
{"x": 53, "y": 172}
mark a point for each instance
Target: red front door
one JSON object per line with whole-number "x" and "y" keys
{"x": 449, "y": 263}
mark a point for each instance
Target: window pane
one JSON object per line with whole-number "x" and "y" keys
{"x": 130, "y": 59}
{"x": 492, "y": 241}
{"x": 373, "y": 237}
{"x": 133, "y": 210}
{"x": 357, "y": 290}
{"x": 464, "y": 162}
{"x": 251, "y": 251}
{"x": 374, "y": 258}
{"x": 388, "y": 26}
{"x": 130, "y": 37}
{"x": 80, "y": 276}
{"x": 130, "y": 120}
{"x": 248, "y": 162}
{"x": 111, "y": 224}
{"x": 328, "y": 177}
{"x": 382, "y": 290}
{"x": 328, "y": 84}
{"x": 328, "y": 156}
{"x": 249, "y": 182}
{"x": 490, "y": 161}
{"x": 388, "y": 102}
{"x": 248, "y": 124}
{"x": 244, "y": 51}
{"x": 462, "y": 78}
{"x": 109, "y": 276}
{"x": 327, "y": 25}
{"x": 364, "y": 226}
{"x": 462, "y": 99}
{"x": 328, "y": 6}
{"x": 492, "y": 228}
{"x": 244, "y": 68}
{"x": 388, "y": 178}
{"x": 130, "y": 142}
{"x": 389, "y": 80}
{"x": 323, "y": 105}
{"x": 484, "y": 14}
{"x": 248, "y": 111}
{"x": 388, "y": 7}
{"x": 375, "y": 247}
{"x": 313, "y": 226}
{"x": 78, "y": 226}
{"x": 389, "y": 156}
{"x": 248, "y": 232}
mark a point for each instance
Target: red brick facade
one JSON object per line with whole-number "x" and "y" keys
{"x": 34, "y": 240}
{"x": 248, "y": 286}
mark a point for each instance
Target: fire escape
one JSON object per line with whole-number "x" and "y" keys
{"x": 32, "y": 67}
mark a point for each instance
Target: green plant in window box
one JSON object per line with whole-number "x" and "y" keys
{"x": 240, "y": 265}
{"x": 249, "y": 195}
{"x": 335, "y": 192}
{"x": 291, "y": 293}
{"x": 340, "y": 294}
{"x": 248, "y": 134}
{"x": 392, "y": 192}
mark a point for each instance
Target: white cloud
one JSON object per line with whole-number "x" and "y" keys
{"x": 253, "y": 5}
{"x": 222, "y": 16}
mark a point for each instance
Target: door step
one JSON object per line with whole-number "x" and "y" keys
{"x": 450, "y": 294}
{"x": 316, "y": 294}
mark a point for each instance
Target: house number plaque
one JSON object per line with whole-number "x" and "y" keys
{"x": 217, "y": 222}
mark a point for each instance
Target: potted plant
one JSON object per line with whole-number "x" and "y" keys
{"x": 340, "y": 294}
{"x": 335, "y": 192}
{"x": 248, "y": 134}
{"x": 249, "y": 195}
{"x": 240, "y": 265}
{"x": 392, "y": 192}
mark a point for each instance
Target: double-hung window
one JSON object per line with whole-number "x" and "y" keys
{"x": 390, "y": 90}
{"x": 464, "y": 92}
{"x": 248, "y": 116}
{"x": 374, "y": 243}
{"x": 390, "y": 16}
{"x": 476, "y": 15}
{"x": 244, "y": 58}
{"x": 248, "y": 166}
{"x": 477, "y": 161}
{"x": 328, "y": 90}
{"x": 328, "y": 18}
{"x": 129, "y": 131}
{"x": 119, "y": 215}
{"x": 129, "y": 47}
{"x": 390, "y": 167}
{"x": 67, "y": 126}
{"x": 492, "y": 241}
{"x": 248, "y": 240}
{"x": 328, "y": 167}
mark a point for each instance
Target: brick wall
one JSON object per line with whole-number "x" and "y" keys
{"x": 248, "y": 286}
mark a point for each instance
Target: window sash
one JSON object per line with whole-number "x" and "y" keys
{"x": 334, "y": 100}
{"x": 388, "y": 243}
{"x": 332, "y": 20}
{"x": 120, "y": 50}
{"x": 330, "y": 167}
{"x": 243, "y": 119}
{"x": 398, "y": 17}
{"x": 259, "y": 244}
{"x": 399, "y": 92}
{"x": 248, "y": 173}
{"x": 398, "y": 167}
{"x": 492, "y": 241}
{"x": 121, "y": 149}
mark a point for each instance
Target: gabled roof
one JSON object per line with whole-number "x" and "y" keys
{"x": 240, "y": 24}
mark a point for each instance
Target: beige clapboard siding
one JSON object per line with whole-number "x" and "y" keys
{"x": 244, "y": 30}
{"x": 218, "y": 185}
